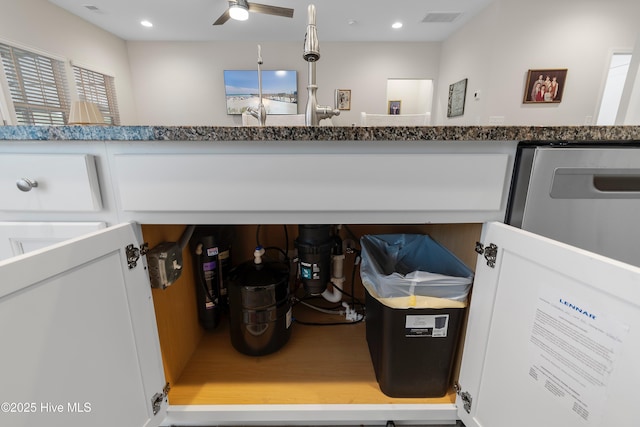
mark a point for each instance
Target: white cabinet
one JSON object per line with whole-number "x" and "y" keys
{"x": 49, "y": 183}
{"x": 73, "y": 352}
{"x": 17, "y": 238}
{"x": 50, "y": 192}
{"x": 553, "y": 336}
{"x": 299, "y": 182}
{"x": 241, "y": 183}
{"x": 98, "y": 343}
{"x": 89, "y": 315}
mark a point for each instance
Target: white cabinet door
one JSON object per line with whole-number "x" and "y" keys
{"x": 17, "y": 238}
{"x": 553, "y": 337}
{"x": 75, "y": 351}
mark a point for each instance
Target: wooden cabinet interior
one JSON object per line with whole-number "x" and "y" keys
{"x": 319, "y": 365}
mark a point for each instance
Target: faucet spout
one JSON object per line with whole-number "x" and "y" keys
{"x": 260, "y": 113}
{"x": 314, "y": 112}
{"x": 311, "y": 46}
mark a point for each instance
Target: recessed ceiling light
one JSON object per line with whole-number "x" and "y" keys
{"x": 396, "y": 25}
{"x": 146, "y": 23}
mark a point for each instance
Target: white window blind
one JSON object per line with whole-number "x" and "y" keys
{"x": 37, "y": 86}
{"x": 99, "y": 89}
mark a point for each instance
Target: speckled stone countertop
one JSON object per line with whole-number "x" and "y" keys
{"x": 322, "y": 133}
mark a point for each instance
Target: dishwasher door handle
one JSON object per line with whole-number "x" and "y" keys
{"x": 595, "y": 183}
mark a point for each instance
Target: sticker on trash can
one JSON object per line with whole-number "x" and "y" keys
{"x": 426, "y": 325}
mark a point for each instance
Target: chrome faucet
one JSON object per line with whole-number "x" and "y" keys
{"x": 314, "y": 112}
{"x": 260, "y": 113}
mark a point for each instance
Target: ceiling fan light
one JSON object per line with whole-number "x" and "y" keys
{"x": 239, "y": 11}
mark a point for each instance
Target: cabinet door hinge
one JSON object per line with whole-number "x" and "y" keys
{"x": 464, "y": 395}
{"x": 490, "y": 253}
{"x": 158, "y": 398}
{"x": 134, "y": 253}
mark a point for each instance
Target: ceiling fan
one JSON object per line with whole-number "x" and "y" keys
{"x": 239, "y": 9}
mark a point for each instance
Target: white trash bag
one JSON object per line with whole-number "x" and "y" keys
{"x": 413, "y": 271}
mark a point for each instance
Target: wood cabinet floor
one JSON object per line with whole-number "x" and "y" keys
{"x": 319, "y": 365}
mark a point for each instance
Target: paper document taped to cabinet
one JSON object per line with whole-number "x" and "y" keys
{"x": 574, "y": 347}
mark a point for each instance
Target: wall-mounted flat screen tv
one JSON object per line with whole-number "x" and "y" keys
{"x": 279, "y": 91}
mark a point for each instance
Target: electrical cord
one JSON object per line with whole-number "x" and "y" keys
{"x": 322, "y": 310}
{"x": 283, "y": 252}
{"x": 335, "y": 309}
{"x": 286, "y": 258}
{"x": 286, "y": 240}
{"x": 355, "y": 301}
{"x": 332, "y": 312}
{"x": 351, "y": 233}
{"x": 356, "y": 262}
{"x": 302, "y": 322}
{"x": 338, "y": 310}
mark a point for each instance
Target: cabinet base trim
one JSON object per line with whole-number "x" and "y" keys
{"x": 310, "y": 414}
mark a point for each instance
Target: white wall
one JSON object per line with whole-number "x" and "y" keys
{"x": 171, "y": 83}
{"x": 181, "y": 83}
{"x": 40, "y": 26}
{"x": 629, "y": 112}
{"x": 416, "y": 95}
{"x": 495, "y": 50}
{"x": 614, "y": 87}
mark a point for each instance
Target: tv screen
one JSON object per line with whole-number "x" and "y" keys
{"x": 279, "y": 91}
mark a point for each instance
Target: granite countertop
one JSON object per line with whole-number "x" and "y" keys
{"x": 322, "y": 133}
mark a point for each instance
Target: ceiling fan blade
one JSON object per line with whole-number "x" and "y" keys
{"x": 223, "y": 18}
{"x": 271, "y": 10}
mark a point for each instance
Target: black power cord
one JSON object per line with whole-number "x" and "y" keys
{"x": 336, "y": 308}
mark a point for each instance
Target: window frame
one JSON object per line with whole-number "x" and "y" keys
{"x": 97, "y": 87}
{"x": 36, "y": 104}
{"x": 66, "y": 75}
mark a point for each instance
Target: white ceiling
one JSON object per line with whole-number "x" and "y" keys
{"x": 191, "y": 20}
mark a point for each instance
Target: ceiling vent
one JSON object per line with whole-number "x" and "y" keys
{"x": 441, "y": 17}
{"x": 92, "y": 8}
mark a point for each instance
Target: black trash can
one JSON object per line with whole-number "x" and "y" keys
{"x": 416, "y": 293}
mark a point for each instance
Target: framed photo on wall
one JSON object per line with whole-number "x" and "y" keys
{"x": 457, "y": 96}
{"x": 544, "y": 86}
{"x": 343, "y": 96}
{"x": 241, "y": 90}
{"x": 394, "y": 107}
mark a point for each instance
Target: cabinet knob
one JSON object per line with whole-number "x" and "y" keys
{"x": 26, "y": 184}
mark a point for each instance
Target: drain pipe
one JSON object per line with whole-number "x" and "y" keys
{"x": 337, "y": 278}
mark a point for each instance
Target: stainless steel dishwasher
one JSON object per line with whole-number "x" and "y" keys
{"x": 586, "y": 195}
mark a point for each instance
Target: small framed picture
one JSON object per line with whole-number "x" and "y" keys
{"x": 457, "y": 97}
{"x": 343, "y": 96}
{"x": 544, "y": 86}
{"x": 394, "y": 107}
